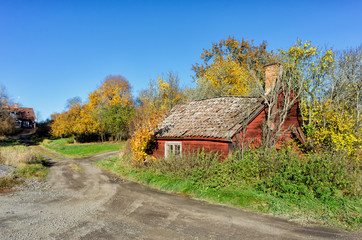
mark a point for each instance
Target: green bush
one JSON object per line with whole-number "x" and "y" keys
{"x": 281, "y": 172}
{"x": 318, "y": 187}
{"x": 312, "y": 175}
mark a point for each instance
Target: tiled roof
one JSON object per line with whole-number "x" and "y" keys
{"x": 23, "y": 113}
{"x": 27, "y": 113}
{"x": 220, "y": 117}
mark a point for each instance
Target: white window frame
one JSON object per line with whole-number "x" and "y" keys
{"x": 167, "y": 144}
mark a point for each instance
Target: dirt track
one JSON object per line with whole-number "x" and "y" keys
{"x": 94, "y": 204}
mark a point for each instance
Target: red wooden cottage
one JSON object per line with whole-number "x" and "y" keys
{"x": 218, "y": 124}
{"x": 24, "y": 117}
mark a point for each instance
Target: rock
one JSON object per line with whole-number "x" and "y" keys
{"x": 6, "y": 170}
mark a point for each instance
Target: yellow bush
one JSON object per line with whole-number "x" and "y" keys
{"x": 335, "y": 128}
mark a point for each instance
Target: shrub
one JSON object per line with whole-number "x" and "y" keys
{"x": 281, "y": 172}
{"x": 285, "y": 173}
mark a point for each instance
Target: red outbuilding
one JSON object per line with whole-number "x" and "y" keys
{"x": 218, "y": 124}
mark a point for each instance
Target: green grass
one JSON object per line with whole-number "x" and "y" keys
{"x": 38, "y": 170}
{"x": 64, "y": 146}
{"x": 338, "y": 212}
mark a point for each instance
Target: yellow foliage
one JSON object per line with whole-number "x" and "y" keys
{"x": 115, "y": 90}
{"x": 227, "y": 77}
{"x": 314, "y": 62}
{"x": 155, "y": 102}
{"x": 335, "y": 127}
{"x": 226, "y": 66}
{"x": 77, "y": 120}
{"x": 143, "y": 135}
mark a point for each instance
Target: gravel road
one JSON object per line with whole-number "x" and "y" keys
{"x": 95, "y": 204}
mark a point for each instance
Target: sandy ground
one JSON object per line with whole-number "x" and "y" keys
{"x": 95, "y": 204}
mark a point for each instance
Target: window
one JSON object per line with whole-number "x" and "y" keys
{"x": 25, "y": 124}
{"x": 173, "y": 148}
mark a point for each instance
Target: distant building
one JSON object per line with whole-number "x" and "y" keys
{"x": 24, "y": 117}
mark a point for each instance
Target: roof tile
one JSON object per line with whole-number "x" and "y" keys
{"x": 216, "y": 117}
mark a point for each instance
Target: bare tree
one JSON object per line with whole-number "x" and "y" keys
{"x": 7, "y": 123}
{"x": 345, "y": 82}
{"x": 280, "y": 96}
{"x": 72, "y": 102}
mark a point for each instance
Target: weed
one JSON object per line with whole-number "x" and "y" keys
{"x": 75, "y": 167}
{"x": 33, "y": 170}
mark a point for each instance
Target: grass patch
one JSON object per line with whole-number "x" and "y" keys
{"x": 334, "y": 211}
{"x": 66, "y": 147}
{"x": 17, "y": 156}
{"x": 33, "y": 170}
{"x": 7, "y": 183}
{"x": 29, "y": 165}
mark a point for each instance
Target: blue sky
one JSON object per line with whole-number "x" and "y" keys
{"x": 51, "y": 51}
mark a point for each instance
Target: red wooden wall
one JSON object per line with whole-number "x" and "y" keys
{"x": 194, "y": 144}
{"x": 255, "y": 127}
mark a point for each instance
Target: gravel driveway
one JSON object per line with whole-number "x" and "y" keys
{"x": 95, "y": 204}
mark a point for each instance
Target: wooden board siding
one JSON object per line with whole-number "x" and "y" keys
{"x": 254, "y": 130}
{"x": 192, "y": 145}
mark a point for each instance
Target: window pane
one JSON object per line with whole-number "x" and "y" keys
{"x": 169, "y": 151}
{"x": 177, "y": 149}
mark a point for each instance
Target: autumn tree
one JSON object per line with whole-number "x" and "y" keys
{"x": 345, "y": 86}
{"x": 226, "y": 68}
{"x": 114, "y": 90}
{"x": 77, "y": 121}
{"x": 73, "y": 102}
{"x": 115, "y": 120}
{"x": 154, "y": 103}
{"x": 58, "y": 122}
{"x": 107, "y": 112}
{"x": 302, "y": 70}
{"x": 335, "y": 118}
{"x": 328, "y": 89}
{"x": 7, "y": 123}
{"x": 112, "y": 107}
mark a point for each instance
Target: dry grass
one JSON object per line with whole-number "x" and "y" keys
{"x": 17, "y": 156}
{"x": 30, "y": 165}
{"x": 8, "y": 182}
{"x": 75, "y": 167}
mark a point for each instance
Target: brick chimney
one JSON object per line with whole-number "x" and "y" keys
{"x": 271, "y": 76}
{"x": 16, "y": 105}
{"x": 6, "y": 105}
